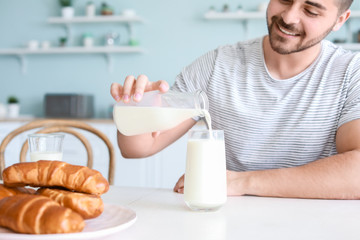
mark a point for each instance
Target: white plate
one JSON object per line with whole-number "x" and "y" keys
{"x": 113, "y": 219}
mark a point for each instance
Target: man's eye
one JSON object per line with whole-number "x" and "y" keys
{"x": 285, "y": 1}
{"x": 311, "y": 13}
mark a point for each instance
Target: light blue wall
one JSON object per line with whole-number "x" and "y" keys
{"x": 173, "y": 35}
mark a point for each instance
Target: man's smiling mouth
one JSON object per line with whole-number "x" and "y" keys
{"x": 287, "y": 32}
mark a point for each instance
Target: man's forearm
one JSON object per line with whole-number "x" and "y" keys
{"x": 335, "y": 177}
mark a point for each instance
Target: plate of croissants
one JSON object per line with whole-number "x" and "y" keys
{"x": 57, "y": 200}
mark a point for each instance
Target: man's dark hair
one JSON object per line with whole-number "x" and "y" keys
{"x": 344, "y": 5}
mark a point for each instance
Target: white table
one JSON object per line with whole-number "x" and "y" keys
{"x": 162, "y": 214}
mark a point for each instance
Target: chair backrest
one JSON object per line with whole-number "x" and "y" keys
{"x": 61, "y": 125}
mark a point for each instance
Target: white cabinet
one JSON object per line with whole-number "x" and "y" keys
{"x": 160, "y": 171}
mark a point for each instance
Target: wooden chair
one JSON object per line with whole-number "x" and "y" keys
{"x": 65, "y": 126}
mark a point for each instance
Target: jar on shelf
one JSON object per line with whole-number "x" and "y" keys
{"x": 226, "y": 8}
{"x": 106, "y": 9}
{"x": 111, "y": 38}
{"x": 90, "y": 9}
{"x": 88, "y": 40}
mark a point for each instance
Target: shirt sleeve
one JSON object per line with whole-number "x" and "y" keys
{"x": 351, "y": 109}
{"x": 197, "y": 75}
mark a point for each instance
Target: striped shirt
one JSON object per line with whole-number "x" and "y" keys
{"x": 271, "y": 123}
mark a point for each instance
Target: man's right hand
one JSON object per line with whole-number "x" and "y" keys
{"x": 135, "y": 87}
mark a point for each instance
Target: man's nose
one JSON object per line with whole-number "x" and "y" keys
{"x": 291, "y": 15}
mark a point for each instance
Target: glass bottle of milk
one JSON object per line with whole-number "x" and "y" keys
{"x": 159, "y": 111}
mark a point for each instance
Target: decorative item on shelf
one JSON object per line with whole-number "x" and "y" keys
{"x": 13, "y": 109}
{"x": 88, "y": 40}
{"x": 33, "y": 44}
{"x": 62, "y": 41}
{"x": 226, "y": 8}
{"x": 67, "y": 10}
{"x": 133, "y": 42}
{"x": 45, "y": 45}
{"x": 212, "y": 9}
{"x": 111, "y": 38}
{"x": 90, "y": 9}
{"x": 239, "y": 9}
{"x": 106, "y": 9}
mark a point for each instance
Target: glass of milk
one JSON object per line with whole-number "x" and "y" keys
{"x": 46, "y": 146}
{"x": 159, "y": 111}
{"x": 205, "y": 176}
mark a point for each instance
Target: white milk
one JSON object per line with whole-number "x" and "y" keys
{"x": 138, "y": 120}
{"x": 205, "y": 179}
{"x": 207, "y": 119}
{"x": 36, "y": 156}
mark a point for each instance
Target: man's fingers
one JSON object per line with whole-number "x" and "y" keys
{"x": 128, "y": 88}
{"x": 116, "y": 91}
{"x": 160, "y": 85}
{"x": 141, "y": 83}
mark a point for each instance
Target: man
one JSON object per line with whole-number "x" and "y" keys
{"x": 289, "y": 104}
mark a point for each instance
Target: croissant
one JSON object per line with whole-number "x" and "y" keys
{"x": 87, "y": 205}
{"x": 11, "y": 191}
{"x": 55, "y": 173}
{"x": 38, "y": 215}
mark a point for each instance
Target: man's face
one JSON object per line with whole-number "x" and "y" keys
{"x": 296, "y": 25}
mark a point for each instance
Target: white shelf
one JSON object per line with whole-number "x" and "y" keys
{"x": 67, "y": 50}
{"x": 20, "y": 53}
{"x": 244, "y": 16}
{"x": 107, "y": 51}
{"x": 355, "y": 14}
{"x": 95, "y": 19}
{"x": 234, "y": 15}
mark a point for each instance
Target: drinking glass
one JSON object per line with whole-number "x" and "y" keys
{"x": 46, "y": 146}
{"x": 205, "y": 185}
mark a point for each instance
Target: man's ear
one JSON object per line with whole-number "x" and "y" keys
{"x": 341, "y": 20}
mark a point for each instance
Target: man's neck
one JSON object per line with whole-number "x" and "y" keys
{"x": 286, "y": 66}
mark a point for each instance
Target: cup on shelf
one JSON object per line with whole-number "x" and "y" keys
{"x": 90, "y": 9}
{"x": 46, "y": 146}
{"x": 67, "y": 12}
{"x": 88, "y": 40}
{"x": 45, "y": 45}
{"x": 33, "y": 44}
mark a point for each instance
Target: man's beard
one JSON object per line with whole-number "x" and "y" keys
{"x": 277, "y": 43}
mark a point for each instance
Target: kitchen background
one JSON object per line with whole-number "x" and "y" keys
{"x": 172, "y": 35}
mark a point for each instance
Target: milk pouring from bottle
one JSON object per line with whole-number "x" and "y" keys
{"x": 205, "y": 177}
{"x": 158, "y": 111}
